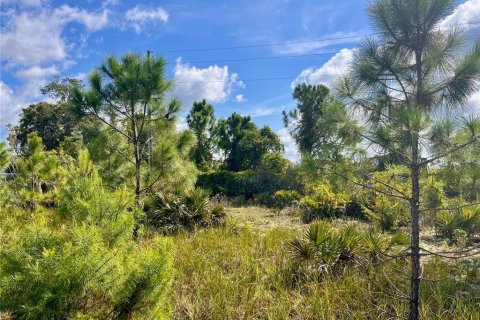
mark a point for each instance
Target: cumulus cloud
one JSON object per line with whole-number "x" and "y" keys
{"x": 139, "y": 17}
{"x": 466, "y": 14}
{"x": 35, "y": 48}
{"x": 213, "y": 83}
{"x": 36, "y": 72}
{"x": 328, "y": 72}
{"x": 31, "y": 37}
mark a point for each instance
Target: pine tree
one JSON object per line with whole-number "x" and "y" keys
{"x": 202, "y": 123}
{"x": 400, "y": 78}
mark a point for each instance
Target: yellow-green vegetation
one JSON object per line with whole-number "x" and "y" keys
{"x": 78, "y": 260}
{"x": 244, "y": 270}
{"x": 109, "y": 211}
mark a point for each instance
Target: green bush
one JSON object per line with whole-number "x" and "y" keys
{"x": 170, "y": 212}
{"x": 79, "y": 261}
{"x": 264, "y": 199}
{"x": 449, "y": 223}
{"x": 285, "y": 198}
{"x": 354, "y": 209}
{"x": 224, "y": 182}
{"x": 387, "y": 213}
{"x": 325, "y": 249}
{"x": 322, "y": 203}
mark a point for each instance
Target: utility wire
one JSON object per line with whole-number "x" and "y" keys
{"x": 300, "y": 42}
{"x": 269, "y": 44}
{"x": 264, "y": 79}
{"x": 267, "y": 58}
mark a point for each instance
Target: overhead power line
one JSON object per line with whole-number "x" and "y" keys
{"x": 264, "y": 79}
{"x": 298, "y": 42}
{"x": 269, "y": 44}
{"x": 268, "y": 58}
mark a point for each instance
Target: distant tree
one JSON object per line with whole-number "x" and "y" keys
{"x": 201, "y": 121}
{"x": 320, "y": 124}
{"x": 52, "y": 123}
{"x": 230, "y": 132}
{"x": 244, "y": 144}
{"x": 255, "y": 144}
{"x": 127, "y": 95}
{"x": 60, "y": 90}
{"x": 410, "y": 70}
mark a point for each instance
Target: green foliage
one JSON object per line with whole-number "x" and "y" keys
{"x": 325, "y": 249}
{"x": 37, "y": 173}
{"x": 243, "y": 144}
{"x": 285, "y": 198}
{"x": 449, "y": 223}
{"x": 321, "y": 202}
{"x": 52, "y": 122}
{"x": 230, "y": 132}
{"x": 79, "y": 261}
{"x": 4, "y": 156}
{"x": 380, "y": 207}
{"x": 171, "y": 212}
{"x": 201, "y": 121}
{"x": 127, "y": 95}
{"x": 320, "y": 125}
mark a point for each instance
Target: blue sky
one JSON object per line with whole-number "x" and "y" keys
{"x": 41, "y": 39}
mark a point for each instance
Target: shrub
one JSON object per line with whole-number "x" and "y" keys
{"x": 354, "y": 209}
{"x": 223, "y": 182}
{"x": 325, "y": 249}
{"x": 79, "y": 261}
{"x": 448, "y": 222}
{"x": 285, "y": 198}
{"x": 322, "y": 203}
{"x": 388, "y": 214}
{"x": 171, "y": 212}
{"x": 265, "y": 199}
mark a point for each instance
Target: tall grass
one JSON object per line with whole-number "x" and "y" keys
{"x": 242, "y": 273}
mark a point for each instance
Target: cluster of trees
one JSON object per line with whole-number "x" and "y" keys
{"x": 384, "y": 146}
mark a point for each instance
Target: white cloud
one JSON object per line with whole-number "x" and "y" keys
{"x": 34, "y": 48}
{"x": 328, "y": 72}
{"x": 139, "y": 17}
{"x": 31, "y": 37}
{"x": 93, "y": 21}
{"x": 466, "y": 14}
{"x": 10, "y": 105}
{"x": 30, "y": 40}
{"x": 240, "y": 98}
{"x": 214, "y": 83}
{"x": 36, "y": 72}
{"x": 291, "y": 151}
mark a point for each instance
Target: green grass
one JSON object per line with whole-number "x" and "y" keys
{"x": 243, "y": 271}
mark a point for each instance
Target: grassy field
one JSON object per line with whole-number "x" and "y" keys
{"x": 244, "y": 271}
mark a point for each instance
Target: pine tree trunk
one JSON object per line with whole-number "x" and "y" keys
{"x": 415, "y": 245}
{"x": 136, "y": 151}
{"x": 415, "y": 199}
